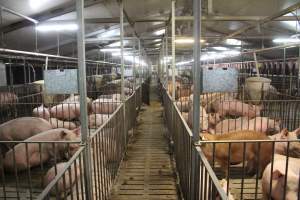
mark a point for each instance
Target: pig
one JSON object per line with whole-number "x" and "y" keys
{"x": 203, "y": 119}
{"x": 64, "y": 184}
{"x": 96, "y": 120}
{"x": 281, "y": 147}
{"x": 104, "y": 106}
{"x": 56, "y": 123}
{"x": 279, "y": 175}
{"x": 115, "y": 97}
{"x": 66, "y": 111}
{"x": 183, "y": 106}
{"x": 72, "y": 99}
{"x": 8, "y": 98}
{"x": 41, "y": 112}
{"x": 213, "y": 119}
{"x": 36, "y": 153}
{"x": 259, "y": 124}
{"x": 22, "y": 128}
{"x": 69, "y": 109}
{"x": 236, "y": 108}
{"x": 236, "y": 150}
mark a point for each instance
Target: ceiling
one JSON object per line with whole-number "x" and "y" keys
{"x": 148, "y": 16}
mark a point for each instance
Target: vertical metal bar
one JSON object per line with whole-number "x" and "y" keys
{"x": 83, "y": 94}
{"x": 167, "y": 55}
{"x": 197, "y": 75}
{"x": 122, "y": 48}
{"x": 173, "y": 50}
{"x": 139, "y": 61}
{"x": 197, "y": 89}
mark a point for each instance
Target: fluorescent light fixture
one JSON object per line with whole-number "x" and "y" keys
{"x": 233, "y": 42}
{"x": 117, "y": 44}
{"x": 286, "y": 40}
{"x": 56, "y": 27}
{"x": 35, "y": 4}
{"x": 109, "y": 33}
{"x": 186, "y": 41}
{"x": 110, "y": 50}
{"x": 157, "y": 40}
{"x": 158, "y": 44}
{"x": 184, "y": 62}
{"x": 220, "y": 48}
{"x": 232, "y": 53}
{"x": 160, "y": 32}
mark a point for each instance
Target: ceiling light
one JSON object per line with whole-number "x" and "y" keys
{"x": 233, "y": 42}
{"x": 184, "y": 62}
{"x": 109, "y": 33}
{"x": 158, "y": 44}
{"x": 160, "y": 32}
{"x": 56, "y": 27}
{"x": 157, "y": 40}
{"x": 117, "y": 44}
{"x": 220, "y": 48}
{"x": 186, "y": 41}
{"x": 286, "y": 40}
{"x": 110, "y": 50}
{"x": 35, "y": 4}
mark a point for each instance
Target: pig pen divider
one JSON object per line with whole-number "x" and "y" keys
{"x": 108, "y": 147}
{"x": 208, "y": 186}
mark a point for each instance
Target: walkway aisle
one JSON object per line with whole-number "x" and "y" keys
{"x": 147, "y": 172}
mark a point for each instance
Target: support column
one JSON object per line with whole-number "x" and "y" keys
{"x": 82, "y": 91}
{"x": 173, "y": 50}
{"x": 197, "y": 76}
{"x": 122, "y": 49}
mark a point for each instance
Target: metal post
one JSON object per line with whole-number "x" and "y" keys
{"x": 167, "y": 55}
{"x": 122, "y": 49}
{"x": 83, "y": 104}
{"x": 134, "y": 68}
{"x": 173, "y": 50}
{"x": 139, "y": 62}
{"x": 197, "y": 76}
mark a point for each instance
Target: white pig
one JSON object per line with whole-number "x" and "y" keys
{"x": 278, "y": 179}
{"x": 22, "y": 157}
{"x": 203, "y": 119}
{"x": 22, "y": 128}
{"x": 64, "y": 184}
{"x": 56, "y": 123}
{"x": 41, "y": 112}
{"x": 96, "y": 120}
{"x": 104, "y": 106}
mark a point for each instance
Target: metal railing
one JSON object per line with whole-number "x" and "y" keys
{"x": 208, "y": 186}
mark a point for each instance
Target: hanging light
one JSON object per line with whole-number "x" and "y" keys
{"x": 56, "y": 27}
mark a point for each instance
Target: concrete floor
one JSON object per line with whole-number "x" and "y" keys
{"x": 147, "y": 171}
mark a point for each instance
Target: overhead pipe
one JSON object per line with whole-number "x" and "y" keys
{"x": 234, "y": 18}
{"x": 19, "y": 14}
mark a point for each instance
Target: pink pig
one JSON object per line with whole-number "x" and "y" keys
{"x": 27, "y": 155}
{"x": 41, "y": 112}
{"x": 278, "y": 179}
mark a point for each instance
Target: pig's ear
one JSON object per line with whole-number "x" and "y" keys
{"x": 77, "y": 131}
{"x": 63, "y": 133}
{"x": 284, "y": 133}
{"x": 297, "y": 131}
{"x": 277, "y": 174}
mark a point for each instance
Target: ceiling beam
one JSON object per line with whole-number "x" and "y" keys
{"x": 51, "y": 13}
{"x": 261, "y": 22}
{"x": 235, "y": 18}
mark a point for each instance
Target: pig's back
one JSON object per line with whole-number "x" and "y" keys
{"x": 243, "y": 135}
{"x": 24, "y": 127}
{"x": 49, "y": 135}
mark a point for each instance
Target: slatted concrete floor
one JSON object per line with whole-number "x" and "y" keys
{"x": 147, "y": 171}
